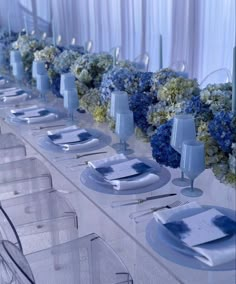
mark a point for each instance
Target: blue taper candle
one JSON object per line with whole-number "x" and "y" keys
{"x": 160, "y": 53}
{"x": 234, "y": 82}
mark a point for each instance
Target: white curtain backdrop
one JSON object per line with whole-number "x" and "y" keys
{"x": 199, "y": 32}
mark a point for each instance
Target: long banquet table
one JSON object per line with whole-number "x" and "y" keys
{"x": 96, "y": 215}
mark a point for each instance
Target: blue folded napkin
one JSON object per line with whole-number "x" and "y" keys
{"x": 82, "y": 137}
{"x": 40, "y": 113}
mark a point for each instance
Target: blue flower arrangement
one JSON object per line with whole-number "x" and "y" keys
{"x": 117, "y": 78}
{"x": 161, "y": 77}
{"x": 144, "y": 81}
{"x": 162, "y": 151}
{"x": 223, "y": 129}
{"x": 55, "y": 83}
{"x": 139, "y": 104}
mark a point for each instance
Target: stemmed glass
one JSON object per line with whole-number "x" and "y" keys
{"x": 192, "y": 164}
{"x": 18, "y": 72}
{"x": 183, "y": 129}
{"x": 43, "y": 85}
{"x": 124, "y": 129}
{"x": 71, "y": 102}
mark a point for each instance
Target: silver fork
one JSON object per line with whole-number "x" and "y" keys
{"x": 141, "y": 215}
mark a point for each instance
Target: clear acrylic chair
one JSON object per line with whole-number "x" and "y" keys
{"x": 44, "y": 36}
{"x": 38, "y": 221}
{"x": 222, "y": 75}
{"x": 88, "y": 46}
{"x": 141, "y": 62}
{"x": 13, "y": 265}
{"x": 73, "y": 41}
{"x": 115, "y": 52}
{"x": 59, "y": 40}
{"x": 11, "y": 148}
{"x": 87, "y": 260}
{"x": 179, "y": 66}
{"x": 23, "y": 177}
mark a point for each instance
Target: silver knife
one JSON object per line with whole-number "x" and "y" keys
{"x": 139, "y": 201}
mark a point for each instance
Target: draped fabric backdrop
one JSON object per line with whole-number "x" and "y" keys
{"x": 200, "y": 33}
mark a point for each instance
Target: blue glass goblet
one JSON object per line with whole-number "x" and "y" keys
{"x": 124, "y": 129}
{"x": 192, "y": 164}
{"x": 71, "y": 102}
{"x": 43, "y": 85}
{"x": 183, "y": 129}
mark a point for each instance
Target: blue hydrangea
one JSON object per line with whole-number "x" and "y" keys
{"x": 56, "y": 85}
{"x": 223, "y": 129}
{"x": 161, "y": 77}
{"x": 139, "y": 104}
{"x": 144, "y": 81}
{"x": 116, "y": 79}
{"x": 162, "y": 151}
{"x": 198, "y": 108}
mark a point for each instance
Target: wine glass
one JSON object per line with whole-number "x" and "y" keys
{"x": 71, "y": 102}
{"x": 124, "y": 129}
{"x": 119, "y": 103}
{"x": 38, "y": 67}
{"x": 183, "y": 129}
{"x": 192, "y": 164}
{"x": 18, "y": 72}
{"x": 67, "y": 82}
{"x": 43, "y": 85}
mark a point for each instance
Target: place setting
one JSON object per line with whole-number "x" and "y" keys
{"x": 33, "y": 114}
{"x": 193, "y": 235}
{"x": 71, "y": 139}
{"x": 13, "y": 95}
{"x": 122, "y": 175}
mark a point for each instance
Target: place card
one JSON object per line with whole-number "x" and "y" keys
{"x": 202, "y": 228}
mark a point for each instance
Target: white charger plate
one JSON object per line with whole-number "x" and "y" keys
{"x": 164, "y": 243}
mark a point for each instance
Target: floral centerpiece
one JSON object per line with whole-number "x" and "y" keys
{"x": 219, "y": 132}
{"x": 48, "y": 55}
{"x": 216, "y": 125}
{"x": 61, "y": 64}
{"x": 172, "y": 97}
{"x": 89, "y": 69}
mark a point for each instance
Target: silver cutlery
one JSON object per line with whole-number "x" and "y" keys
{"x": 78, "y": 156}
{"x": 85, "y": 163}
{"x": 138, "y": 201}
{"x": 48, "y": 126}
{"x": 141, "y": 215}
